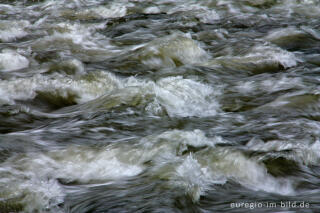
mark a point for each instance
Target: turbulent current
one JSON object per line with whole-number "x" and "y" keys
{"x": 159, "y": 106}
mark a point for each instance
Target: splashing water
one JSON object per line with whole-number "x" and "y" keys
{"x": 159, "y": 106}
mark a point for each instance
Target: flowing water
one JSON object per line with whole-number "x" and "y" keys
{"x": 159, "y": 106}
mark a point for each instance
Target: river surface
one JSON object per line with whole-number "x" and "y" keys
{"x": 159, "y": 106}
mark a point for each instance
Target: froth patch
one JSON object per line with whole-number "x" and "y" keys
{"x": 187, "y": 160}
{"x": 261, "y": 58}
{"x": 110, "y": 11}
{"x": 196, "y": 171}
{"x": 174, "y": 96}
{"x": 170, "y": 161}
{"x": 170, "y": 51}
{"x": 195, "y": 138}
{"x": 185, "y": 97}
{"x": 86, "y": 165}
{"x": 249, "y": 173}
{"x": 204, "y": 14}
{"x": 78, "y": 90}
{"x": 78, "y": 39}
{"x": 194, "y": 178}
{"x": 177, "y": 96}
{"x": 34, "y": 177}
{"x": 34, "y": 192}
{"x": 302, "y": 152}
{"x": 285, "y": 58}
{"x": 11, "y": 30}
{"x": 11, "y": 60}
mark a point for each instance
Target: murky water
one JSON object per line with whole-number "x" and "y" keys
{"x": 159, "y": 106}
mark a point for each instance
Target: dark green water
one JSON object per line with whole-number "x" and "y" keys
{"x": 159, "y": 106}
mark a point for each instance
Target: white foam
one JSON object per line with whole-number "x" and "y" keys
{"x": 78, "y": 34}
{"x": 248, "y": 172}
{"x": 196, "y": 172}
{"x": 177, "y": 138}
{"x": 11, "y": 30}
{"x": 177, "y": 96}
{"x": 151, "y": 10}
{"x": 77, "y": 38}
{"x": 209, "y": 16}
{"x": 112, "y": 11}
{"x": 194, "y": 178}
{"x": 6, "y": 7}
{"x": 185, "y": 97}
{"x": 280, "y": 33}
{"x": 85, "y": 165}
{"x": 74, "y": 65}
{"x": 182, "y": 171}
{"x": 205, "y": 14}
{"x": 261, "y": 57}
{"x": 80, "y": 90}
{"x": 285, "y": 58}
{"x": 37, "y": 193}
{"x": 11, "y": 60}
{"x": 36, "y": 174}
{"x": 171, "y": 51}
{"x": 302, "y": 151}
